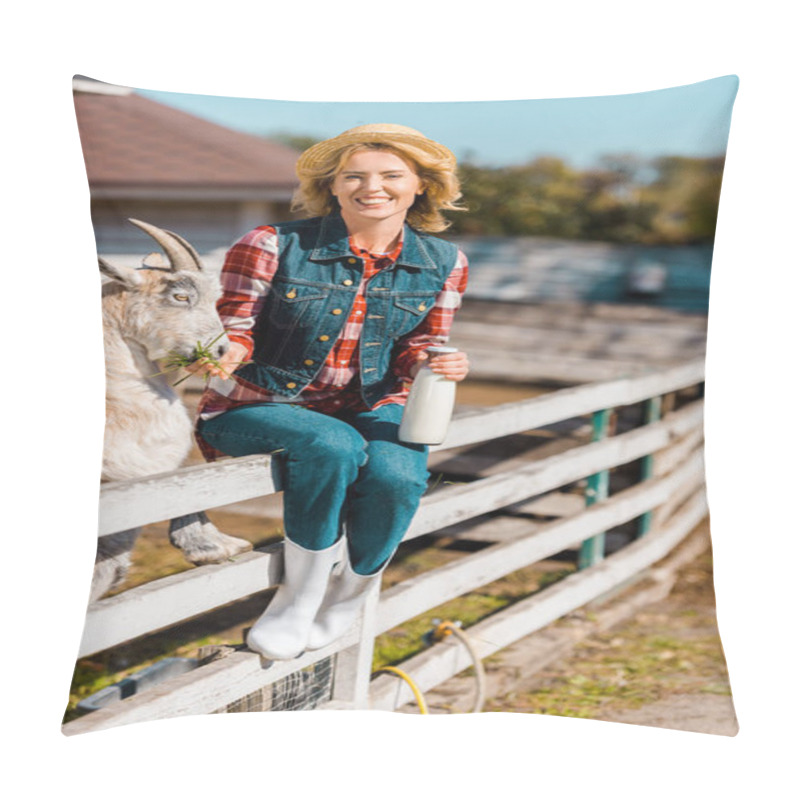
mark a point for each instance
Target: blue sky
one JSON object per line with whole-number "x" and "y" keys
{"x": 685, "y": 120}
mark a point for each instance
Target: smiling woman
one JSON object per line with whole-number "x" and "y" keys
{"x": 330, "y": 318}
{"x": 376, "y": 186}
{"x": 432, "y": 163}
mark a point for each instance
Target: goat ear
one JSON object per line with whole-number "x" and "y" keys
{"x": 125, "y": 275}
{"x": 154, "y": 260}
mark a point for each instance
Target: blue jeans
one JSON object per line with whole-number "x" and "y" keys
{"x": 347, "y": 472}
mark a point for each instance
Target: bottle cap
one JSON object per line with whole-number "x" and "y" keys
{"x": 438, "y": 350}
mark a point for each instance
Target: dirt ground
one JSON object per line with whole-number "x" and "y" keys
{"x": 661, "y": 666}
{"x": 686, "y": 687}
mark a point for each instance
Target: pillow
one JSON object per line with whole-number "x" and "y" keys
{"x": 559, "y": 561}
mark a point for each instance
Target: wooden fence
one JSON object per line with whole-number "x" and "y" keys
{"x": 668, "y": 502}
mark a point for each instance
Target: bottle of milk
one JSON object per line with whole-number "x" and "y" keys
{"x": 429, "y": 405}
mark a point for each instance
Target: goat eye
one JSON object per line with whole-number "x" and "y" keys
{"x": 183, "y": 298}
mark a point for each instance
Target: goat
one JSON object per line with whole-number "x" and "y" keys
{"x": 149, "y": 313}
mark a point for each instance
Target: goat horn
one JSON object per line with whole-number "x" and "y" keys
{"x": 180, "y": 253}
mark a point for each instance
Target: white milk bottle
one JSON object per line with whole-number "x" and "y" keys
{"x": 429, "y": 405}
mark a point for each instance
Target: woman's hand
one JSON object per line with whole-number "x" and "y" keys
{"x": 454, "y": 366}
{"x": 233, "y": 357}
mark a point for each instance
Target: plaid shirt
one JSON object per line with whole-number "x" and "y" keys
{"x": 246, "y": 280}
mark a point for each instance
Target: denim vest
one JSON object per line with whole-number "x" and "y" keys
{"x": 312, "y": 295}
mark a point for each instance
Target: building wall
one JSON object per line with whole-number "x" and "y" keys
{"x": 208, "y": 225}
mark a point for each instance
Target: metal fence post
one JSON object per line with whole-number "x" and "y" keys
{"x": 652, "y": 413}
{"x": 592, "y": 550}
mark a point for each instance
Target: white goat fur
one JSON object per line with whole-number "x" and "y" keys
{"x": 148, "y": 429}
{"x": 147, "y": 314}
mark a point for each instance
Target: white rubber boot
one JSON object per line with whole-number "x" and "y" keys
{"x": 341, "y": 606}
{"x": 282, "y": 631}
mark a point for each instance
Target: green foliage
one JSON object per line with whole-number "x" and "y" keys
{"x": 202, "y": 352}
{"x": 668, "y": 200}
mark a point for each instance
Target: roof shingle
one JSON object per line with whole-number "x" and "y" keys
{"x": 129, "y": 140}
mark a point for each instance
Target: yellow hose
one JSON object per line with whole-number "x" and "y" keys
{"x": 440, "y": 632}
{"x": 423, "y": 708}
{"x": 446, "y": 628}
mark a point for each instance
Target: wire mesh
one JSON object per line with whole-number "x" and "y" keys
{"x": 303, "y": 690}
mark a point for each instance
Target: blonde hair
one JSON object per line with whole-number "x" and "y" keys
{"x": 438, "y": 176}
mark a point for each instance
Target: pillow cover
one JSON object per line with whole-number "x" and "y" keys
{"x": 569, "y": 490}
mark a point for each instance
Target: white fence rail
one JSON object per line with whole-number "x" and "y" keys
{"x": 674, "y": 493}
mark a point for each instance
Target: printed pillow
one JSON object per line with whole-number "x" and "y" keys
{"x": 564, "y": 528}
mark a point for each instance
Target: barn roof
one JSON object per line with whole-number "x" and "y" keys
{"x": 137, "y": 147}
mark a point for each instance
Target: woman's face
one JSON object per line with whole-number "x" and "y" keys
{"x": 375, "y": 185}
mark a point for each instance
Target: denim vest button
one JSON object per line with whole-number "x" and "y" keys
{"x": 336, "y": 311}
{"x": 291, "y": 294}
{"x": 352, "y": 261}
{"x": 290, "y": 385}
{"x": 324, "y": 338}
{"x": 348, "y": 282}
{"x": 308, "y": 362}
{"x": 422, "y": 306}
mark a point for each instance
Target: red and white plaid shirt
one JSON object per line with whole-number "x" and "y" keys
{"x": 246, "y": 280}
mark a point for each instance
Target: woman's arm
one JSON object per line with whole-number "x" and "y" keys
{"x": 435, "y": 330}
{"x": 246, "y": 279}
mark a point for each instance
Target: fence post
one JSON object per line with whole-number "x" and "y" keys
{"x": 353, "y": 669}
{"x": 592, "y": 550}
{"x": 652, "y": 413}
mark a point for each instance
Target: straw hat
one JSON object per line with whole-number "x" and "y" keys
{"x": 386, "y": 133}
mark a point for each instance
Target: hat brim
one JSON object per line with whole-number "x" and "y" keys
{"x": 321, "y": 151}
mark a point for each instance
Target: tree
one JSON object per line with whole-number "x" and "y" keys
{"x": 668, "y": 200}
